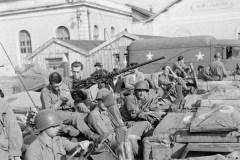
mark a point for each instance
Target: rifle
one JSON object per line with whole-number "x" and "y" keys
{"x": 96, "y": 79}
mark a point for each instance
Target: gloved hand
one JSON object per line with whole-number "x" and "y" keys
{"x": 84, "y": 144}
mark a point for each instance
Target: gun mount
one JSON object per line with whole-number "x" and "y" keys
{"x": 90, "y": 81}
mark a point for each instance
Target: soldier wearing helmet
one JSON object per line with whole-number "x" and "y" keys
{"x": 217, "y": 68}
{"x": 141, "y": 105}
{"x": 48, "y": 144}
{"x": 52, "y": 97}
{"x": 106, "y": 119}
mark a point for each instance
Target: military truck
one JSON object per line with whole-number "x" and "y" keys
{"x": 199, "y": 50}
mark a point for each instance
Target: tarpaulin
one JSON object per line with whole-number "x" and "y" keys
{"x": 216, "y": 118}
{"x": 173, "y": 122}
{"x": 33, "y": 78}
{"x": 21, "y": 101}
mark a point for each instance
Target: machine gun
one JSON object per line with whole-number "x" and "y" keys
{"x": 96, "y": 79}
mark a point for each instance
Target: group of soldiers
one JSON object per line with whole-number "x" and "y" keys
{"x": 126, "y": 109}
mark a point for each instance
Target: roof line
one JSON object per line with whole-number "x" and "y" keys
{"x": 64, "y": 5}
{"x": 165, "y": 9}
{"x": 123, "y": 33}
{"x": 57, "y": 41}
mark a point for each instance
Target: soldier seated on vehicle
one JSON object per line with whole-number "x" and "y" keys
{"x": 131, "y": 79}
{"x": 203, "y": 75}
{"x": 106, "y": 119}
{"x": 141, "y": 106}
{"x": 169, "y": 78}
{"x": 49, "y": 146}
{"x": 57, "y": 97}
{"x": 81, "y": 101}
{"x": 180, "y": 68}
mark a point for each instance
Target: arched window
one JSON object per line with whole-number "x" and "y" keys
{"x": 95, "y": 32}
{"x": 63, "y": 33}
{"x": 112, "y": 31}
{"x": 25, "y": 42}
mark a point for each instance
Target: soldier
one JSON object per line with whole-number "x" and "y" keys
{"x": 169, "y": 78}
{"x": 100, "y": 72}
{"x": 76, "y": 68}
{"x": 105, "y": 119}
{"x": 56, "y": 96}
{"x": 217, "y": 68}
{"x": 10, "y": 134}
{"x": 141, "y": 106}
{"x": 81, "y": 101}
{"x": 203, "y": 75}
{"x": 132, "y": 79}
{"x": 180, "y": 68}
{"x": 49, "y": 146}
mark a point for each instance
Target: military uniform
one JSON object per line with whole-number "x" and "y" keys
{"x": 10, "y": 133}
{"x": 106, "y": 122}
{"x": 217, "y": 70}
{"x": 45, "y": 148}
{"x": 180, "y": 69}
{"x": 132, "y": 79}
{"x": 50, "y": 99}
{"x": 49, "y": 146}
{"x": 205, "y": 77}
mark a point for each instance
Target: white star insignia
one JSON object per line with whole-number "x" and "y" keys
{"x": 199, "y": 56}
{"x": 149, "y": 56}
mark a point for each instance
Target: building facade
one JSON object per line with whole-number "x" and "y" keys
{"x": 218, "y": 18}
{"x": 27, "y": 24}
{"x": 57, "y": 55}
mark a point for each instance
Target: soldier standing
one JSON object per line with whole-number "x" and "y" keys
{"x": 49, "y": 146}
{"x": 56, "y": 96}
{"x": 10, "y": 134}
{"x": 217, "y": 68}
{"x": 100, "y": 72}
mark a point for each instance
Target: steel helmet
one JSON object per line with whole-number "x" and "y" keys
{"x": 142, "y": 85}
{"x": 45, "y": 119}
